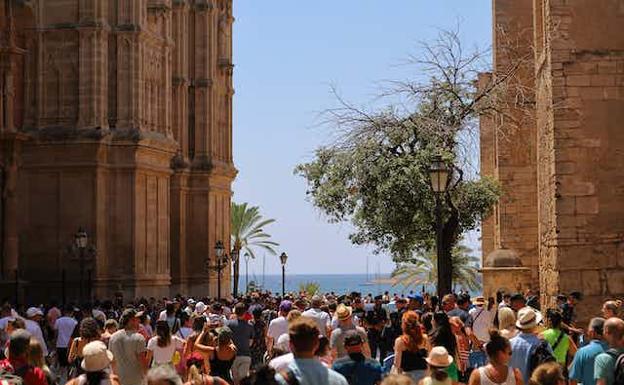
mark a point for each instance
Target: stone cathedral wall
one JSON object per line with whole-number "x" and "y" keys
{"x": 116, "y": 118}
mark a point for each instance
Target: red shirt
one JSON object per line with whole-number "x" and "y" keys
{"x": 32, "y": 376}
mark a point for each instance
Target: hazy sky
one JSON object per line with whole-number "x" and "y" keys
{"x": 287, "y": 54}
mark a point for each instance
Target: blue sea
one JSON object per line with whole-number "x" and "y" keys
{"x": 338, "y": 283}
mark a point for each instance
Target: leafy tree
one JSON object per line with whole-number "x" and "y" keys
{"x": 247, "y": 228}
{"x": 375, "y": 173}
{"x": 309, "y": 288}
{"x": 423, "y": 269}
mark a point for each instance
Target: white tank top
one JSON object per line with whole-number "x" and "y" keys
{"x": 485, "y": 380}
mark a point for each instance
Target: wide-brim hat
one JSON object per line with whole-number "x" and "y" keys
{"x": 479, "y": 301}
{"x": 96, "y": 357}
{"x": 343, "y": 312}
{"x": 33, "y": 311}
{"x": 439, "y": 357}
{"x": 528, "y": 318}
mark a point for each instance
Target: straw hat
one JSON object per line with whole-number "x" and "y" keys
{"x": 479, "y": 301}
{"x": 343, "y": 312}
{"x": 528, "y": 318}
{"x": 439, "y": 357}
{"x": 96, "y": 356}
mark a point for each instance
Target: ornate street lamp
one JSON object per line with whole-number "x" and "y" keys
{"x": 221, "y": 260}
{"x": 283, "y": 259}
{"x": 234, "y": 256}
{"x": 81, "y": 241}
{"x": 439, "y": 176}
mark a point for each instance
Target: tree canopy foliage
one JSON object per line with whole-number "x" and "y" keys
{"x": 375, "y": 174}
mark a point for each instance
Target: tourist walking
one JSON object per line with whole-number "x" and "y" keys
{"x": 96, "y": 366}
{"x": 34, "y": 316}
{"x": 411, "y": 348}
{"x": 525, "y": 345}
{"x": 345, "y": 323}
{"x": 258, "y": 345}
{"x": 197, "y": 373}
{"x": 128, "y": 348}
{"x": 438, "y": 362}
{"x": 355, "y": 367}
{"x": 376, "y": 319}
{"x": 497, "y": 371}
{"x": 242, "y": 335}
{"x": 582, "y": 368}
{"x": 163, "y": 348}
{"x": 221, "y": 356}
{"x": 64, "y": 328}
{"x": 89, "y": 331}
{"x": 17, "y": 361}
{"x": 278, "y": 326}
{"x": 321, "y": 317}
{"x": 305, "y": 368}
{"x": 482, "y": 320}
{"x": 604, "y": 366}
{"x": 37, "y": 359}
{"x": 443, "y": 336}
{"x": 611, "y": 309}
{"x": 559, "y": 341}
{"x": 507, "y": 322}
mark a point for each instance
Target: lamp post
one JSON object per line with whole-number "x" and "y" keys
{"x": 439, "y": 175}
{"x": 234, "y": 255}
{"x": 283, "y": 259}
{"x": 219, "y": 254}
{"x": 81, "y": 240}
{"x": 247, "y": 256}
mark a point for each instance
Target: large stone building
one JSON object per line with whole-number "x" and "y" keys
{"x": 557, "y": 147}
{"x": 115, "y": 117}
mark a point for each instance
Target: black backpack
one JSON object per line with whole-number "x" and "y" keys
{"x": 540, "y": 354}
{"x": 618, "y": 375}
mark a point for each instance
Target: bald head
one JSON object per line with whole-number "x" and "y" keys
{"x": 614, "y": 331}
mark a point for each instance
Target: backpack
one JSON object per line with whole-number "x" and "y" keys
{"x": 540, "y": 354}
{"x": 618, "y": 375}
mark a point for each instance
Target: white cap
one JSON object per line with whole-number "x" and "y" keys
{"x": 33, "y": 311}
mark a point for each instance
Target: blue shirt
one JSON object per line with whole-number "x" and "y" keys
{"x": 604, "y": 367}
{"x": 521, "y": 348}
{"x": 310, "y": 371}
{"x": 359, "y": 370}
{"x": 582, "y": 369}
{"x": 242, "y": 333}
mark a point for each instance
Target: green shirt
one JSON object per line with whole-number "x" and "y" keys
{"x": 561, "y": 350}
{"x": 604, "y": 366}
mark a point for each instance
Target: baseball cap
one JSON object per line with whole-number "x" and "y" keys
{"x": 416, "y": 297}
{"x": 33, "y": 311}
{"x": 285, "y": 305}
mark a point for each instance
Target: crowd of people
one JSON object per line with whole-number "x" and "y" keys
{"x": 327, "y": 339}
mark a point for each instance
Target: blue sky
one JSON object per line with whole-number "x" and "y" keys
{"x": 287, "y": 55}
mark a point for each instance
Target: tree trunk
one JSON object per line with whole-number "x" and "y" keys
{"x": 235, "y": 274}
{"x": 447, "y": 243}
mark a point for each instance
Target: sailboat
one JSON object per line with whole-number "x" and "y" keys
{"x": 368, "y": 281}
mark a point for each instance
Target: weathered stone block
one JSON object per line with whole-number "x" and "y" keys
{"x": 592, "y": 285}
{"x": 615, "y": 282}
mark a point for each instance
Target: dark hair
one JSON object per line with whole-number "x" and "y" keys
{"x": 89, "y": 329}
{"x": 198, "y": 323}
{"x": 170, "y": 308}
{"x": 164, "y": 333}
{"x": 264, "y": 375}
{"x": 554, "y": 317}
{"x": 442, "y": 334}
{"x": 323, "y": 344}
{"x": 240, "y": 309}
{"x": 439, "y": 374}
{"x": 257, "y": 312}
{"x": 95, "y": 378}
{"x": 497, "y": 343}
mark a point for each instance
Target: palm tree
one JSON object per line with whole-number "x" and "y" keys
{"x": 423, "y": 270}
{"x": 247, "y": 228}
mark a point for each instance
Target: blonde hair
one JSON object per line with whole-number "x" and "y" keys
{"x": 397, "y": 379}
{"x": 293, "y": 315}
{"x": 195, "y": 377}
{"x": 547, "y": 374}
{"x": 506, "y": 318}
